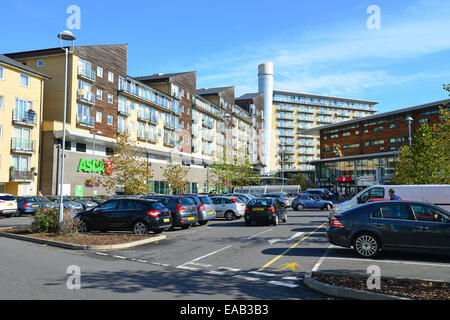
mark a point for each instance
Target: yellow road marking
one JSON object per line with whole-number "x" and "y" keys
{"x": 288, "y": 266}
{"x": 292, "y": 247}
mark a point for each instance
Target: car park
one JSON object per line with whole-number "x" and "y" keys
{"x": 229, "y": 208}
{"x": 8, "y": 205}
{"x": 205, "y": 207}
{"x": 86, "y": 203}
{"x": 184, "y": 211}
{"x": 67, "y": 203}
{"x": 324, "y": 194}
{"x": 131, "y": 214}
{"x": 372, "y": 227}
{"x": 27, "y": 205}
{"x": 282, "y": 197}
{"x": 266, "y": 211}
{"x": 311, "y": 201}
{"x": 44, "y": 202}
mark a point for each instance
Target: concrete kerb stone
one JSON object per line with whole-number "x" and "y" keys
{"x": 82, "y": 247}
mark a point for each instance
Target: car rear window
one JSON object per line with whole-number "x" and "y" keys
{"x": 30, "y": 199}
{"x": 184, "y": 201}
{"x": 7, "y": 198}
{"x": 205, "y": 200}
{"x": 260, "y": 203}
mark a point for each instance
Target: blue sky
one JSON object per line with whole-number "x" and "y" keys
{"x": 321, "y": 47}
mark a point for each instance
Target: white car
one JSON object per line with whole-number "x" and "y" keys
{"x": 8, "y": 205}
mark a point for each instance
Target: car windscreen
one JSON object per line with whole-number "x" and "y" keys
{"x": 7, "y": 198}
{"x": 205, "y": 200}
{"x": 260, "y": 203}
{"x": 184, "y": 201}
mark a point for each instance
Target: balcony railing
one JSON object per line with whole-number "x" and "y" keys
{"x": 123, "y": 130}
{"x": 123, "y": 110}
{"x": 169, "y": 126}
{"x": 86, "y": 96}
{"x": 16, "y": 175}
{"x": 24, "y": 118}
{"x": 86, "y": 73}
{"x": 169, "y": 142}
{"x": 85, "y": 121}
{"x": 23, "y": 146}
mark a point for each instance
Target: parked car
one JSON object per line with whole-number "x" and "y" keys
{"x": 205, "y": 207}
{"x": 325, "y": 194}
{"x": 183, "y": 210}
{"x": 244, "y": 197}
{"x": 86, "y": 203}
{"x": 229, "y": 208}
{"x": 27, "y": 205}
{"x": 265, "y": 210}
{"x": 131, "y": 214}
{"x": 436, "y": 194}
{"x": 311, "y": 201}
{"x": 67, "y": 203}
{"x": 8, "y": 205}
{"x": 282, "y": 197}
{"x": 45, "y": 202}
{"x": 96, "y": 199}
{"x": 381, "y": 225}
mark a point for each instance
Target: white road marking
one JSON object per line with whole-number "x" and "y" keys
{"x": 200, "y": 264}
{"x": 317, "y": 265}
{"x": 187, "y": 268}
{"x": 247, "y": 278}
{"x": 394, "y": 262}
{"x": 259, "y": 234}
{"x": 210, "y": 254}
{"x": 193, "y": 262}
{"x": 142, "y": 261}
{"x": 296, "y": 235}
{"x": 214, "y": 272}
{"x": 284, "y": 284}
{"x": 263, "y": 274}
{"x": 119, "y": 257}
{"x": 229, "y": 269}
{"x": 292, "y": 278}
{"x": 102, "y": 254}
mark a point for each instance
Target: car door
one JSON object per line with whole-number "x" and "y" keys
{"x": 220, "y": 207}
{"x": 122, "y": 218}
{"x": 396, "y": 224}
{"x": 100, "y": 217}
{"x": 434, "y": 227}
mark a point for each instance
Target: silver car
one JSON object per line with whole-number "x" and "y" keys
{"x": 243, "y": 196}
{"x": 282, "y": 197}
{"x": 229, "y": 208}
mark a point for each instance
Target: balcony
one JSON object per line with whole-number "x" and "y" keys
{"x": 24, "y": 118}
{"x": 86, "y": 74}
{"x": 169, "y": 126}
{"x": 169, "y": 142}
{"x": 23, "y": 146}
{"x": 123, "y": 131}
{"x": 86, "y": 97}
{"x": 85, "y": 121}
{"x": 208, "y": 124}
{"x": 20, "y": 176}
{"x": 208, "y": 137}
{"x": 123, "y": 110}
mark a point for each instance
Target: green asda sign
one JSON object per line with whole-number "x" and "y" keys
{"x": 89, "y": 165}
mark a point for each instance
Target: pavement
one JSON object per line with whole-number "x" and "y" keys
{"x": 222, "y": 260}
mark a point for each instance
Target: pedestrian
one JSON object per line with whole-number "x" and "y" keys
{"x": 393, "y": 196}
{"x": 40, "y": 193}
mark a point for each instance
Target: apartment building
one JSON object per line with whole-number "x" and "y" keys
{"x": 21, "y": 103}
{"x": 362, "y": 152}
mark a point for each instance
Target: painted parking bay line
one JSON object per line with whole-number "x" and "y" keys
{"x": 284, "y": 284}
{"x": 292, "y": 247}
{"x": 260, "y": 233}
{"x": 296, "y": 235}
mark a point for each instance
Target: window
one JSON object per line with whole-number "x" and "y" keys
{"x": 109, "y": 205}
{"x": 99, "y": 94}
{"x": 22, "y": 138}
{"x": 1, "y": 102}
{"x": 110, "y": 120}
{"x": 24, "y": 80}
{"x": 346, "y": 134}
{"x": 109, "y": 151}
{"x": 394, "y": 211}
{"x": 110, "y": 98}
{"x": 377, "y": 129}
{"x": 40, "y": 63}
{"x": 373, "y": 193}
{"x": 1, "y": 132}
{"x": 429, "y": 214}
{"x": 110, "y": 76}
{"x": 426, "y": 120}
{"x": 81, "y": 147}
{"x": 98, "y": 116}
{"x": 100, "y": 72}
{"x": 334, "y": 136}
{"x": 394, "y": 126}
{"x": 2, "y": 73}
{"x": 21, "y": 163}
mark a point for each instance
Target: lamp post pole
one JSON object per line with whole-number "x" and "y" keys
{"x": 93, "y": 166}
{"x": 409, "y": 120}
{"x": 68, "y": 36}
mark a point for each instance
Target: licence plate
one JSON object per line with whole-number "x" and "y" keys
{"x": 9, "y": 204}
{"x": 210, "y": 212}
{"x": 166, "y": 220}
{"x": 191, "y": 218}
{"x": 35, "y": 205}
{"x": 258, "y": 209}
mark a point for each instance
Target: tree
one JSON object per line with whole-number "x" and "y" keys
{"x": 175, "y": 175}
{"x": 127, "y": 167}
{"x": 220, "y": 173}
{"x": 242, "y": 173}
{"x": 300, "y": 179}
{"x": 427, "y": 161}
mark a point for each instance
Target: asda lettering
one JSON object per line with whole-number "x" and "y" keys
{"x": 89, "y": 165}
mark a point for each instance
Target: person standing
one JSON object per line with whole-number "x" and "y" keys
{"x": 393, "y": 196}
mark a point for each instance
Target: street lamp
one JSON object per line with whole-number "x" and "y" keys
{"x": 66, "y": 36}
{"x": 409, "y": 120}
{"x": 93, "y": 153}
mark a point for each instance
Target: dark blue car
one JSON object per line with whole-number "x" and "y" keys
{"x": 311, "y": 201}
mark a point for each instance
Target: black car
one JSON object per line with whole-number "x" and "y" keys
{"x": 380, "y": 225}
{"x": 265, "y": 210}
{"x": 184, "y": 211}
{"x": 205, "y": 207}
{"x": 137, "y": 215}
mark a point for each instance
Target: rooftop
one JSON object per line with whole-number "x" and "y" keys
{"x": 162, "y": 76}
{"x": 311, "y": 95}
{"x": 212, "y": 91}
{"x": 5, "y": 60}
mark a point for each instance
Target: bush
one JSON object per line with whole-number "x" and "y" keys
{"x": 46, "y": 221}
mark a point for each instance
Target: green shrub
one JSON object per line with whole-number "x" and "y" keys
{"x": 45, "y": 220}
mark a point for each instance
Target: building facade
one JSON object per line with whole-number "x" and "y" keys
{"x": 361, "y": 152}
{"x": 21, "y": 103}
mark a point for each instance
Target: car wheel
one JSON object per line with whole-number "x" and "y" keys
{"x": 202, "y": 223}
{"x": 248, "y": 223}
{"x": 83, "y": 227}
{"x": 275, "y": 223}
{"x": 366, "y": 245}
{"x": 300, "y": 207}
{"x": 7, "y": 216}
{"x": 328, "y": 207}
{"x": 187, "y": 226}
{"x": 229, "y": 215}
{"x": 140, "y": 228}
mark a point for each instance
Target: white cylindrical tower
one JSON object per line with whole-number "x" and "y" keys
{"x": 265, "y": 86}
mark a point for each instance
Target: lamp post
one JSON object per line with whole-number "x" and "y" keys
{"x": 93, "y": 154}
{"x": 409, "y": 120}
{"x": 227, "y": 123}
{"x": 66, "y": 36}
